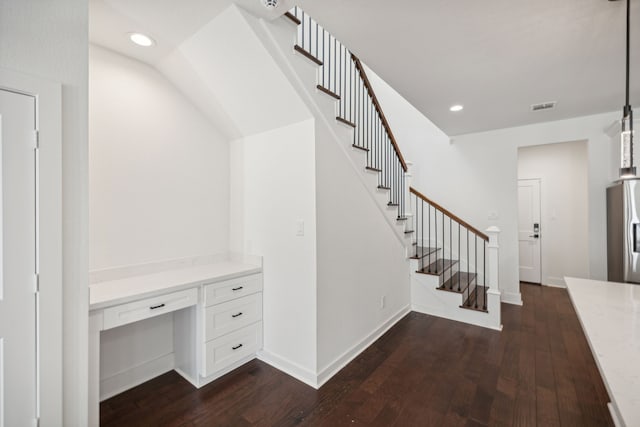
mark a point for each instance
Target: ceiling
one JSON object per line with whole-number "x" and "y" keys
{"x": 495, "y": 57}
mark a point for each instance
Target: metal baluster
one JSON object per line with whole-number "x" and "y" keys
{"x": 475, "y": 252}
{"x": 451, "y": 252}
{"x": 429, "y": 231}
{"x": 459, "y": 252}
{"x": 484, "y": 274}
{"x": 468, "y": 282}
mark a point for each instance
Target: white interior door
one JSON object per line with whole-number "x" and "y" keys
{"x": 529, "y": 229}
{"x": 18, "y": 297}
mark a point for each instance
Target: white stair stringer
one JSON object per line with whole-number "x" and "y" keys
{"x": 427, "y": 299}
{"x": 279, "y": 38}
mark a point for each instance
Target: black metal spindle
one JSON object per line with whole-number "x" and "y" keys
{"x": 459, "y": 252}
{"x": 468, "y": 281}
{"x": 484, "y": 274}
{"x": 475, "y": 252}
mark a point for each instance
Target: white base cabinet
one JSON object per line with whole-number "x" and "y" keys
{"x": 217, "y": 318}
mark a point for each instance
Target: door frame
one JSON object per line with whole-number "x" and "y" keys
{"x": 48, "y": 102}
{"x": 539, "y": 180}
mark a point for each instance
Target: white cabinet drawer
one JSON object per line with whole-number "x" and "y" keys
{"x": 235, "y": 314}
{"x": 228, "y": 349}
{"x": 216, "y": 293}
{"x": 149, "y": 307}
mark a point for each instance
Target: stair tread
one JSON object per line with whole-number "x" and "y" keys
{"x": 423, "y": 251}
{"x": 306, "y": 54}
{"x": 371, "y": 168}
{"x": 328, "y": 92}
{"x": 401, "y": 218}
{"x": 458, "y": 282}
{"x": 438, "y": 267}
{"x": 382, "y": 187}
{"x": 470, "y": 303}
{"x": 359, "y": 147}
{"x": 392, "y": 204}
{"x": 292, "y": 18}
{"x": 345, "y": 121}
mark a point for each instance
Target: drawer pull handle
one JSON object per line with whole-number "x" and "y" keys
{"x": 237, "y": 314}
{"x": 238, "y": 288}
{"x": 236, "y": 347}
{"x": 153, "y": 307}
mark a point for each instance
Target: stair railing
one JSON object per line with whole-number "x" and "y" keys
{"x": 438, "y": 228}
{"x": 342, "y": 75}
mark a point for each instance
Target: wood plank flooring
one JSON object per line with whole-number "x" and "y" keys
{"x": 425, "y": 371}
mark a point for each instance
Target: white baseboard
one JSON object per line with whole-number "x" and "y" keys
{"x": 331, "y": 369}
{"x": 555, "y": 282}
{"x": 514, "y": 298}
{"x": 288, "y": 367}
{"x": 132, "y": 377}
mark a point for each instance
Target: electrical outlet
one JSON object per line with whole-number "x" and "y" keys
{"x": 383, "y": 301}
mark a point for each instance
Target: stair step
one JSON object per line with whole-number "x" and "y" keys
{"x": 423, "y": 251}
{"x": 346, "y": 122}
{"x": 292, "y": 18}
{"x": 438, "y": 267}
{"x": 458, "y": 282}
{"x": 306, "y": 54}
{"x": 369, "y": 168}
{"x": 470, "y": 303}
{"x": 382, "y": 187}
{"x": 328, "y": 92}
{"x": 409, "y": 231}
{"x": 392, "y": 204}
{"x": 359, "y": 147}
{"x": 402, "y": 218}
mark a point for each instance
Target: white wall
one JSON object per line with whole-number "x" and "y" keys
{"x": 49, "y": 40}
{"x": 273, "y": 187}
{"x": 360, "y": 260}
{"x": 476, "y": 174}
{"x": 159, "y": 171}
{"x": 159, "y": 190}
{"x": 563, "y": 174}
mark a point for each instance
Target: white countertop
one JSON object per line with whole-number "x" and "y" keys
{"x": 114, "y": 292}
{"x": 610, "y": 316}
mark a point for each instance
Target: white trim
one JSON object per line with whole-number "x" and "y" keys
{"x": 555, "y": 282}
{"x": 129, "y": 378}
{"x": 289, "y": 368}
{"x": 514, "y": 298}
{"x": 49, "y": 123}
{"x": 341, "y": 361}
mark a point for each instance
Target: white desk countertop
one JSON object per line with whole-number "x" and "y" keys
{"x": 610, "y": 316}
{"x": 114, "y": 292}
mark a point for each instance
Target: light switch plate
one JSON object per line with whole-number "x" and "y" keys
{"x": 299, "y": 227}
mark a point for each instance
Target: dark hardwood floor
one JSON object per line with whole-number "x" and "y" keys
{"x": 425, "y": 371}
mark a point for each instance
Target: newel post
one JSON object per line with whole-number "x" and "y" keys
{"x": 492, "y": 274}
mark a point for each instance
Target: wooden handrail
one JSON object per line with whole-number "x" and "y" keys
{"x": 450, "y": 214}
{"x": 374, "y": 99}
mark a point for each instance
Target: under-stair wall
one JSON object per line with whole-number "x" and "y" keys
{"x": 362, "y": 269}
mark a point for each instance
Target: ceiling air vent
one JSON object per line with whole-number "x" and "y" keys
{"x": 544, "y": 106}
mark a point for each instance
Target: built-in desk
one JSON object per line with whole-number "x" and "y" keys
{"x": 217, "y": 314}
{"x": 610, "y": 317}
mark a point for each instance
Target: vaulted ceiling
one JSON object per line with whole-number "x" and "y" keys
{"x": 495, "y": 57}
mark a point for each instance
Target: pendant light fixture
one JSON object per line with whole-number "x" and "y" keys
{"x": 627, "y": 169}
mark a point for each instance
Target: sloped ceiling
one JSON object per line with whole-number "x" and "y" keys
{"x": 211, "y": 54}
{"x": 496, "y": 57}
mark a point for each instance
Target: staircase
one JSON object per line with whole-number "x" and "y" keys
{"x": 451, "y": 261}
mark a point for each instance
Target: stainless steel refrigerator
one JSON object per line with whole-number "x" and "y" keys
{"x": 623, "y": 231}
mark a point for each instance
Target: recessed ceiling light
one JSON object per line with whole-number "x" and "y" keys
{"x": 141, "y": 39}
{"x": 455, "y": 108}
